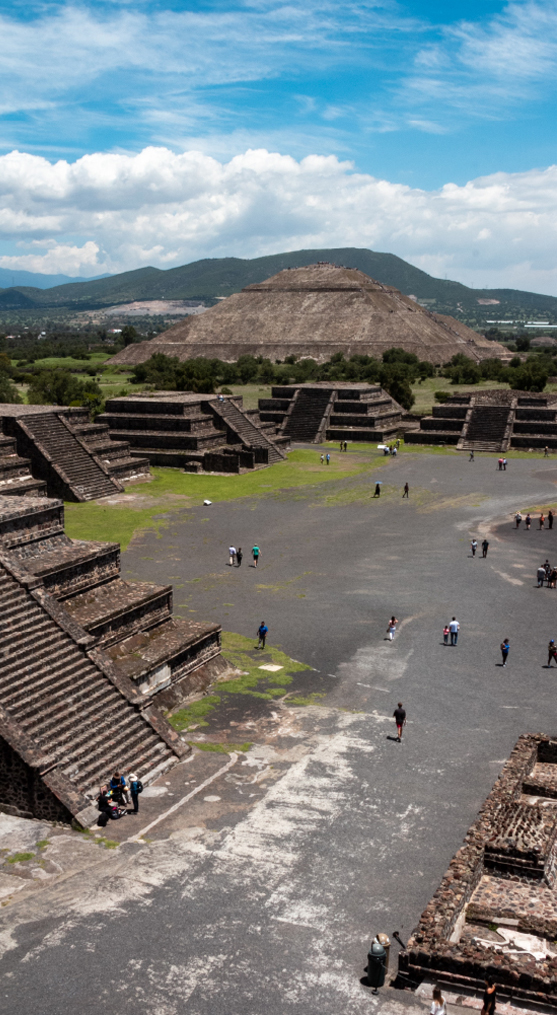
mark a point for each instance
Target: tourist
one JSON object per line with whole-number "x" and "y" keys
{"x": 231, "y": 555}
{"x": 546, "y": 452}
{"x": 328, "y": 458}
{"x": 345, "y": 446}
{"x": 542, "y": 520}
{"x": 518, "y": 519}
{"x": 136, "y": 787}
{"x": 504, "y": 465}
{"x": 341, "y": 446}
{"x": 395, "y": 452}
{"x": 527, "y": 522}
{"x": 489, "y": 997}
{"x": 239, "y": 556}
{"x": 505, "y": 648}
{"x": 541, "y": 576}
{"x": 391, "y": 628}
{"x": 322, "y": 459}
{"x": 454, "y": 628}
{"x": 485, "y": 547}
{"x": 406, "y": 491}
{"x": 256, "y": 553}
{"x": 262, "y": 632}
{"x": 547, "y": 566}
{"x": 438, "y": 1004}
{"x": 446, "y": 634}
{"x": 552, "y": 577}
{"x": 119, "y": 788}
{"x": 550, "y": 519}
{"x": 400, "y": 719}
{"x": 474, "y": 546}
{"x": 500, "y": 464}
{"x": 471, "y": 459}
{"x": 551, "y": 652}
{"x": 377, "y": 490}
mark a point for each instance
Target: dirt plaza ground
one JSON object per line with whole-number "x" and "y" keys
{"x": 259, "y": 868}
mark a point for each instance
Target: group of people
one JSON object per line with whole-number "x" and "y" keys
{"x": 474, "y": 547}
{"x": 439, "y": 1004}
{"x": 235, "y": 556}
{"x": 547, "y": 573}
{"x": 528, "y": 520}
{"x": 114, "y": 799}
{"x": 343, "y": 446}
{"x": 391, "y": 449}
{"x": 326, "y": 458}
{"x": 502, "y": 463}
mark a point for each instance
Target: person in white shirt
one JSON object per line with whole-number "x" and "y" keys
{"x": 232, "y": 554}
{"x": 438, "y": 1004}
{"x": 454, "y": 628}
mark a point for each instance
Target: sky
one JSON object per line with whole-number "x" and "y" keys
{"x": 161, "y": 132}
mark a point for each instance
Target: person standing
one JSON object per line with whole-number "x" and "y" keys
{"x": 346, "y": 446}
{"x": 438, "y": 1004}
{"x": 400, "y": 719}
{"x": 231, "y": 555}
{"x": 551, "y": 652}
{"x": 546, "y": 452}
{"x": 341, "y": 446}
{"x": 446, "y": 634}
{"x": 527, "y": 522}
{"x": 505, "y": 648}
{"x": 504, "y": 465}
{"x": 471, "y": 459}
{"x": 239, "y": 556}
{"x": 377, "y": 490}
{"x": 489, "y": 997}
{"x": 518, "y": 519}
{"x": 541, "y": 573}
{"x": 391, "y": 628}
{"x": 406, "y": 491}
{"x": 322, "y": 459}
{"x": 542, "y": 520}
{"x": 136, "y": 787}
{"x": 262, "y": 632}
{"x": 500, "y": 464}
{"x": 454, "y": 628}
{"x": 485, "y": 548}
{"x": 328, "y": 458}
{"x": 474, "y": 546}
{"x": 256, "y": 553}
{"x": 550, "y": 519}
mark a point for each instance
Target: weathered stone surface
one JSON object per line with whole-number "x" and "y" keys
{"x": 315, "y": 311}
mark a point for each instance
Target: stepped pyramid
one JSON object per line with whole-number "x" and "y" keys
{"x": 86, "y": 659}
{"x": 315, "y": 311}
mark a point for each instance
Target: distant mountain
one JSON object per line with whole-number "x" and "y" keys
{"x": 217, "y": 277}
{"x": 32, "y": 278}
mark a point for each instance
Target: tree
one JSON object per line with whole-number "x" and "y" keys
{"x": 60, "y": 387}
{"x": 399, "y": 389}
{"x": 8, "y": 390}
{"x": 129, "y": 334}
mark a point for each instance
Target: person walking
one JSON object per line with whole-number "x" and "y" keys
{"x": 446, "y": 634}
{"x": 471, "y": 459}
{"x": 527, "y": 522}
{"x": 546, "y": 452}
{"x": 256, "y": 553}
{"x": 136, "y": 787}
{"x": 489, "y": 998}
{"x": 391, "y": 628}
{"x": 399, "y": 715}
{"x": 322, "y": 459}
{"x": 406, "y": 491}
{"x": 542, "y": 520}
{"x": 346, "y": 446}
{"x": 377, "y": 490}
{"x": 454, "y": 628}
{"x": 341, "y": 447}
{"x": 485, "y": 548}
{"x": 231, "y": 555}
{"x": 541, "y": 573}
{"x": 262, "y": 632}
{"x": 518, "y": 519}
{"x": 438, "y": 1004}
{"x": 550, "y": 519}
{"x": 328, "y": 458}
{"x": 505, "y": 648}
{"x": 239, "y": 556}
{"x": 474, "y": 546}
{"x": 551, "y": 652}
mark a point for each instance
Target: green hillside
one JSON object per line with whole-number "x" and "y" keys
{"x": 214, "y": 277}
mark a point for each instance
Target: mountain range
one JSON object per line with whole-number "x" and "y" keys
{"x": 10, "y": 278}
{"x": 212, "y": 278}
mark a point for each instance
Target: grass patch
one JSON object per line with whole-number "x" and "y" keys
{"x": 219, "y": 748}
{"x": 20, "y": 857}
{"x": 107, "y": 843}
{"x": 43, "y": 843}
{"x": 108, "y": 524}
{"x": 308, "y": 699}
{"x": 194, "y": 714}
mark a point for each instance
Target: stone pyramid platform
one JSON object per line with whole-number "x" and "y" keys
{"x": 87, "y": 661}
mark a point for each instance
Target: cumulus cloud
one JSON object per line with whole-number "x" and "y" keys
{"x": 110, "y": 212}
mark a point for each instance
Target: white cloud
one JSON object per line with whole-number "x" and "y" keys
{"x": 108, "y": 212}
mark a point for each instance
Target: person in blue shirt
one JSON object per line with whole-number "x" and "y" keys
{"x": 505, "y": 648}
{"x": 262, "y": 632}
{"x": 136, "y": 787}
{"x": 119, "y": 788}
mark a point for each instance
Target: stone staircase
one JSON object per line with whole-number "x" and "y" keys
{"x": 305, "y": 419}
{"x": 248, "y": 434}
{"x": 64, "y": 459}
{"x": 487, "y": 429}
{"x": 115, "y": 454}
{"x": 60, "y": 701}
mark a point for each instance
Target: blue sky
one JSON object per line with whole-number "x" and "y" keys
{"x": 421, "y": 96}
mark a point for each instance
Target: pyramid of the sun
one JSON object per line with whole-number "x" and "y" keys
{"x": 315, "y": 311}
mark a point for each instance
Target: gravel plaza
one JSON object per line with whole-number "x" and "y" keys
{"x": 262, "y": 893}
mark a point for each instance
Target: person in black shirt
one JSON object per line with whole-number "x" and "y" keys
{"x": 400, "y": 719}
{"x": 489, "y": 997}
